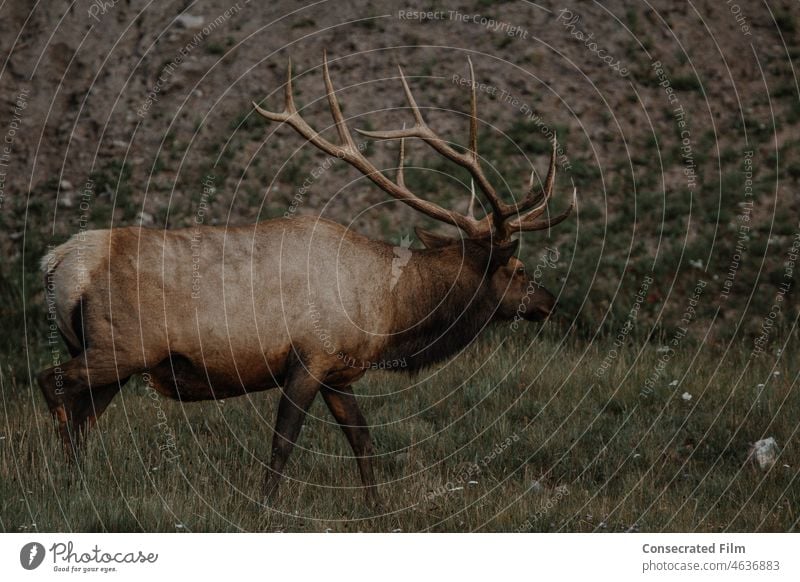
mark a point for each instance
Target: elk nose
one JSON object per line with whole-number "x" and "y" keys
{"x": 548, "y": 311}
{"x": 545, "y": 307}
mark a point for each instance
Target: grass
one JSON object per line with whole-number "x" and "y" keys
{"x": 521, "y": 434}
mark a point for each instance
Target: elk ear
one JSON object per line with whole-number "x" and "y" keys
{"x": 502, "y": 253}
{"x": 431, "y": 240}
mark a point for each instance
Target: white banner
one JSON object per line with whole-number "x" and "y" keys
{"x": 350, "y": 557}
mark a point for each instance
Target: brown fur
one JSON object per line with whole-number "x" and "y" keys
{"x": 300, "y": 303}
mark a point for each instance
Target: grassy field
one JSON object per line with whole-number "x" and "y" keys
{"x": 546, "y": 429}
{"x": 520, "y": 433}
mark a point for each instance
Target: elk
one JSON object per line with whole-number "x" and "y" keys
{"x": 127, "y": 301}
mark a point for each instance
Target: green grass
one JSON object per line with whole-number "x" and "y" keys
{"x": 581, "y": 452}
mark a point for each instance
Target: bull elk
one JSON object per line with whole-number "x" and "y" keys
{"x": 126, "y": 300}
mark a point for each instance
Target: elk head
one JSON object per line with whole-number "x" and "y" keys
{"x": 486, "y": 240}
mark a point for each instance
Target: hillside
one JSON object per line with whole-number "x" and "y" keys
{"x": 119, "y": 114}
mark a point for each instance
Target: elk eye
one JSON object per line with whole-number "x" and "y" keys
{"x": 520, "y": 271}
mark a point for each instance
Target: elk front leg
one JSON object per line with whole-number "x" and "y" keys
{"x": 344, "y": 407}
{"x": 297, "y": 396}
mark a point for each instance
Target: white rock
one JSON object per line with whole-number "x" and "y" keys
{"x": 66, "y": 185}
{"x": 764, "y": 453}
{"x": 189, "y": 21}
{"x": 145, "y": 218}
{"x": 686, "y": 396}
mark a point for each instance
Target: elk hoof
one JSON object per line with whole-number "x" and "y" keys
{"x": 374, "y": 501}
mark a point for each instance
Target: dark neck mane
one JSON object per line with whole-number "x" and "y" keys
{"x": 441, "y": 306}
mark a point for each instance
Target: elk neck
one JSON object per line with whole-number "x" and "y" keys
{"x": 441, "y": 303}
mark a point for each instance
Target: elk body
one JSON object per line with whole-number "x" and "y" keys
{"x": 303, "y": 304}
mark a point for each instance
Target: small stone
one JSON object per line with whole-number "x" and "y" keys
{"x": 686, "y": 396}
{"x": 189, "y": 21}
{"x": 764, "y": 453}
{"x": 65, "y": 185}
{"x": 145, "y": 218}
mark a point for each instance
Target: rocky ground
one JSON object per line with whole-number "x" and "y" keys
{"x": 120, "y": 110}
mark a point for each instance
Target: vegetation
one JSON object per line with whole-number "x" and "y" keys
{"x": 588, "y": 452}
{"x": 524, "y": 431}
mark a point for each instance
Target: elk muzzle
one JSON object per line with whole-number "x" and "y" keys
{"x": 541, "y": 304}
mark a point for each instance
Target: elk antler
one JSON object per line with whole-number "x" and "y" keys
{"x": 536, "y": 203}
{"x": 504, "y": 219}
{"x": 347, "y": 151}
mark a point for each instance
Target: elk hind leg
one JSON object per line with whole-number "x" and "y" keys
{"x": 344, "y": 407}
{"x": 298, "y": 393}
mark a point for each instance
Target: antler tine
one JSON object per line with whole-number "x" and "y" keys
{"x": 468, "y": 160}
{"x": 551, "y": 171}
{"x": 288, "y": 91}
{"x": 289, "y": 108}
{"x": 420, "y": 129}
{"x": 400, "y": 179}
{"x": 473, "y": 114}
{"x": 529, "y": 221}
{"x": 534, "y": 197}
{"x": 471, "y": 210}
{"x": 544, "y": 195}
{"x": 411, "y": 101}
{"x": 336, "y": 111}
